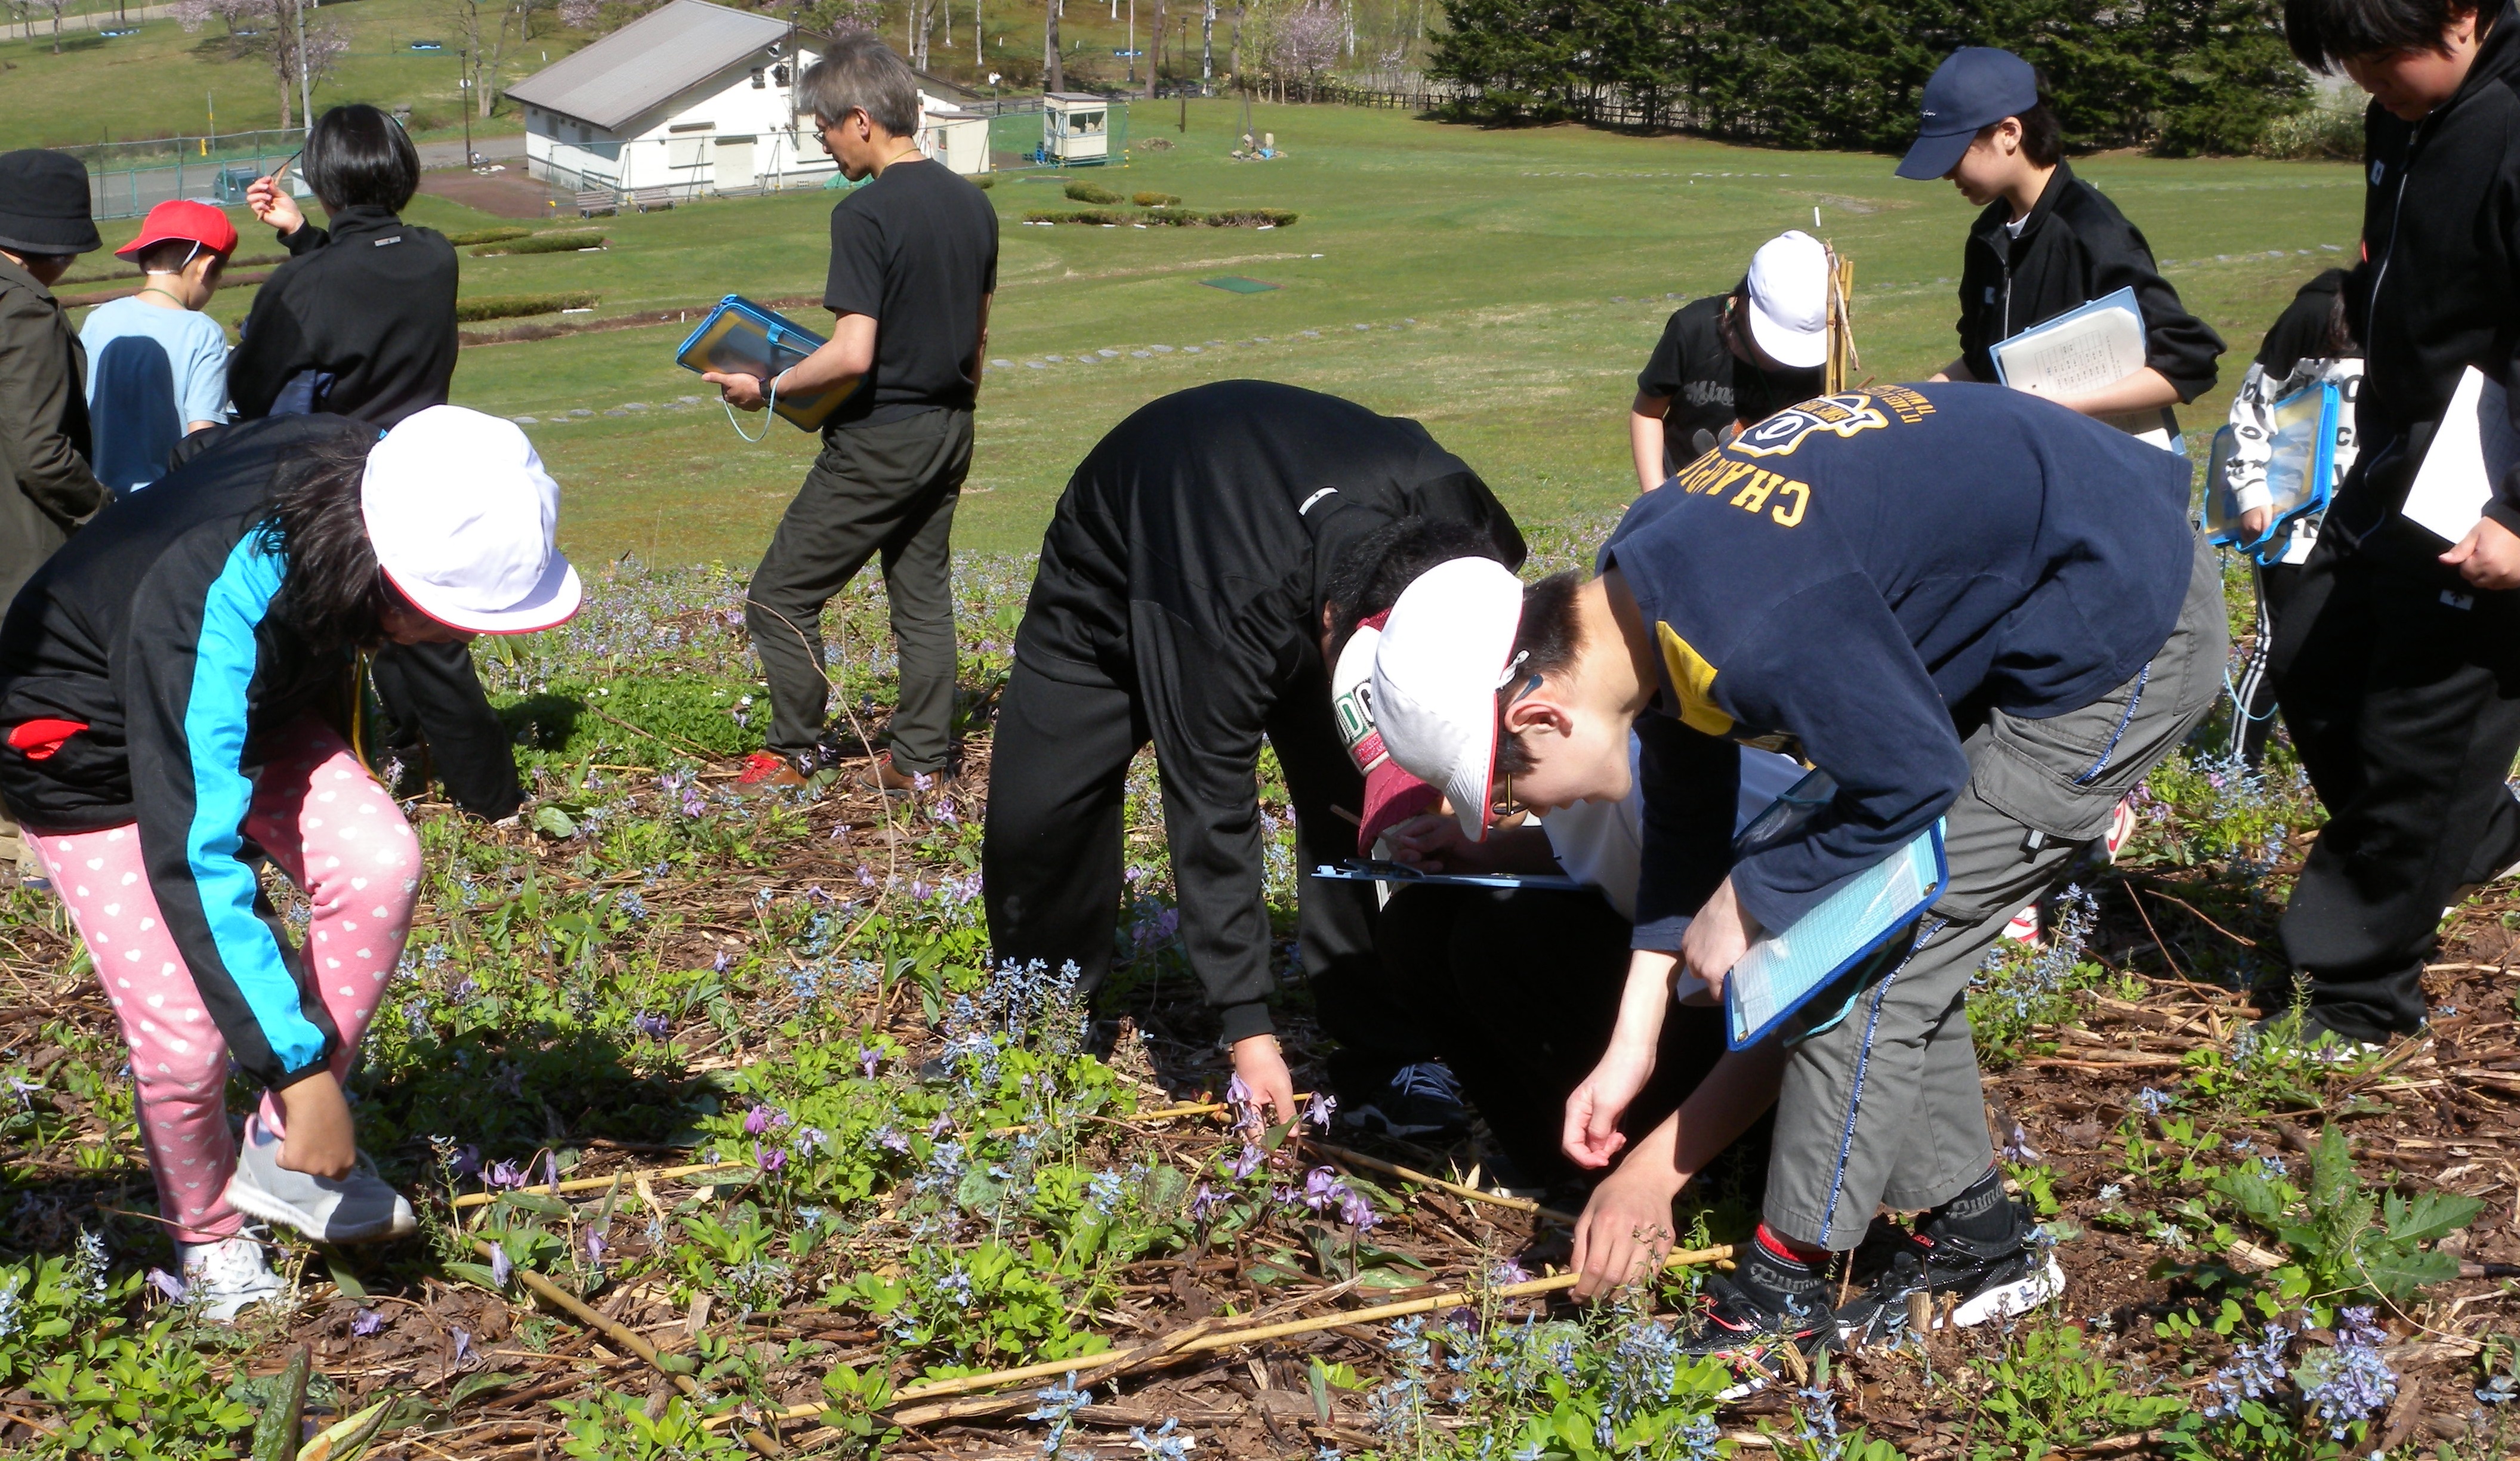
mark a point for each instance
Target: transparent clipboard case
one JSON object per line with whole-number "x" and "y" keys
{"x": 2301, "y": 469}
{"x": 740, "y": 338}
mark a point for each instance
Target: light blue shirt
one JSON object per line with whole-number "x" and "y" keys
{"x": 150, "y": 372}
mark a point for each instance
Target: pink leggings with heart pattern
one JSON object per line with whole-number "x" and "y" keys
{"x": 334, "y": 833}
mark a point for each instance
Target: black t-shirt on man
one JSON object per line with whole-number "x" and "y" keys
{"x": 1710, "y": 388}
{"x": 916, "y": 248}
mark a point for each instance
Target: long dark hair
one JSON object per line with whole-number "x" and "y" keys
{"x": 335, "y": 596}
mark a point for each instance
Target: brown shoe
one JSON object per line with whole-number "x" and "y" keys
{"x": 888, "y": 780}
{"x": 766, "y": 772}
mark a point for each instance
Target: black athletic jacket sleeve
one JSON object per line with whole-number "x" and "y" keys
{"x": 369, "y": 303}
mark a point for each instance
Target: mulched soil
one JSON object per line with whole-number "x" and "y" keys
{"x": 2440, "y": 1114}
{"x": 512, "y": 193}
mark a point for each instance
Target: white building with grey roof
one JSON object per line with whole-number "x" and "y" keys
{"x": 693, "y": 99}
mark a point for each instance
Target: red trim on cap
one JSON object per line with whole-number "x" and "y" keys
{"x": 421, "y": 609}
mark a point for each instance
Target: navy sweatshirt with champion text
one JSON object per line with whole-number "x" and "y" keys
{"x": 154, "y": 634}
{"x": 1848, "y": 578}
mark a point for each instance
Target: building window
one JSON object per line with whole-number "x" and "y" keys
{"x": 758, "y": 84}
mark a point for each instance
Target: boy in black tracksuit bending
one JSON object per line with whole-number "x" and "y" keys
{"x": 1181, "y": 599}
{"x": 2046, "y": 241}
{"x": 2398, "y": 659}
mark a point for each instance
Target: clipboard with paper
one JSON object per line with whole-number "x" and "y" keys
{"x": 2301, "y": 468}
{"x": 2471, "y": 454}
{"x": 1783, "y": 969}
{"x": 739, "y": 337}
{"x": 2085, "y": 349}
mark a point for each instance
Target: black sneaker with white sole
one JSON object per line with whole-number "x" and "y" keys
{"x": 1748, "y": 1319}
{"x": 1966, "y": 1282}
{"x": 1424, "y": 1099}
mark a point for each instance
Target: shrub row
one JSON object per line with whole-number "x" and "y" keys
{"x": 562, "y": 241}
{"x": 1154, "y": 200}
{"x": 118, "y": 270}
{"x": 488, "y": 236}
{"x": 1170, "y": 218}
{"x": 1092, "y": 193}
{"x": 509, "y": 306}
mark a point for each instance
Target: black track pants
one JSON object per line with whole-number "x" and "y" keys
{"x": 2403, "y": 692}
{"x": 1051, "y": 860}
{"x": 1521, "y": 991}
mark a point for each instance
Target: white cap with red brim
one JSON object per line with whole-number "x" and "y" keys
{"x": 462, "y": 514}
{"x": 1391, "y": 795}
{"x": 1446, "y": 650}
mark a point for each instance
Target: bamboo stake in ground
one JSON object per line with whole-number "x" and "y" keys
{"x": 597, "y": 1184}
{"x": 568, "y": 1303}
{"x": 1405, "y": 1175}
{"x": 1226, "y": 1338}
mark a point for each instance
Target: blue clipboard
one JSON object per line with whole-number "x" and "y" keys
{"x": 1361, "y": 871}
{"x": 739, "y": 337}
{"x": 2301, "y": 469}
{"x": 1783, "y": 970}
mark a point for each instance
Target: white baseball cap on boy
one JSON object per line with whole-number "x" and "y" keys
{"x": 1446, "y": 651}
{"x": 1788, "y": 299}
{"x": 1391, "y": 794}
{"x": 461, "y": 515}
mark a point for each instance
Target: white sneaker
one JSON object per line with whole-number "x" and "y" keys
{"x": 2120, "y": 829}
{"x": 357, "y": 1208}
{"x": 2024, "y": 927}
{"x": 227, "y": 1276}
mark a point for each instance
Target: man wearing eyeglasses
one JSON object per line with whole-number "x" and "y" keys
{"x": 1961, "y": 603}
{"x": 914, "y": 264}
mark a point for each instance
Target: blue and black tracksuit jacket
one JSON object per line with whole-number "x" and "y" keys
{"x": 1854, "y": 579}
{"x": 152, "y": 633}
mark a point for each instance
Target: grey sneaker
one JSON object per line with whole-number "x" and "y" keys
{"x": 357, "y": 1208}
{"x": 227, "y": 1276}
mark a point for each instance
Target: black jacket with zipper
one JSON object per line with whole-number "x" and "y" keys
{"x": 2439, "y": 287}
{"x": 371, "y": 304}
{"x": 2074, "y": 247}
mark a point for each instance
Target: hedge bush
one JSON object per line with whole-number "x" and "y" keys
{"x": 1154, "y": 200}
{"x": 1077, "y": 215}
{"x": 1169, "y": 217}
{"x": 488, "y": 236}
{"x": 509, "y": 306}
{"x": 562, "y": 241}
{"x": 1090, "y": 193}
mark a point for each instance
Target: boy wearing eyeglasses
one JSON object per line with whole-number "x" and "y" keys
{"x": 1961, "y": 603}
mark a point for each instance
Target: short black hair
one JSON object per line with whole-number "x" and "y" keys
{"x": 1546, "y": 641}
{"x": 359, "y": 158}
{"x": 2326, "y": 33}
{"x": 2043, "y": 136}
{"x": 1375, "y": 569}
{"x": 170, "y": 255}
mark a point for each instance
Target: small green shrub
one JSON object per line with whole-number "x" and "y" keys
{"x": 985, "y": 181}
{"x": 511, "y": 306}
{"x": 1103, "y": 216}
{"x": 561, "y": 240}
{"x": 1092, "y": 193}
{"x": 1250, "y": 218}
{"x": 1154, "y": 200}
{"x": 488, "y": 236}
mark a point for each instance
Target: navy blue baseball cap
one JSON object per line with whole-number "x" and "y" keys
{"x": 1977, "y": 87}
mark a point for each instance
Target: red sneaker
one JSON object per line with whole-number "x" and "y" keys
{"x": 767, "y": 771}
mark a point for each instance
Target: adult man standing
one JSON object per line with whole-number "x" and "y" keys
{"x": 914, "y": 262}
{"x": 1201, "y": 556}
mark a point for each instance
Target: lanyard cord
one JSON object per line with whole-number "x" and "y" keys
{"x": 770, "y": 405}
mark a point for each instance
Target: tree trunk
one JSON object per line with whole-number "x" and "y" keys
{"x": 1052, "y": 78}
{"x": 1207, "y": 42}
{"x": 1154, "y": 49}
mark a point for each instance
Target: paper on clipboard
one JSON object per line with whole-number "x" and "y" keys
{"x": 1785, "y": 969}
{"x": 2469, "y": 456}
{"x": 2082, "y": 350}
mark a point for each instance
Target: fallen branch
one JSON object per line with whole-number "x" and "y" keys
{"x": 567, "y": 1303}
{"x": 1087, "y": 1376}
{"x": 1230, "y": 1337}
{"x": 597, "y": 1184}
{"x": 1393, "y": 1169}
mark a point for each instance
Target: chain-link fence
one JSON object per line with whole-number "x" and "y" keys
{"x": 126, "y": 178}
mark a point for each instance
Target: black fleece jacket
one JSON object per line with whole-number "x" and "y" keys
{"x": 2075, "y": 247}
{"x": 371, "y": 303}
{"x": 2439, "y": 287}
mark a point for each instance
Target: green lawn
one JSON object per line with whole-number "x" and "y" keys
{"x": 1507, "y": 249}
{"x": 1513, "y": 282}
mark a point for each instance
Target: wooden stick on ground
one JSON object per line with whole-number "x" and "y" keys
{"x": 568, "y": 1303}
{"x": 1405, "y": 1175}
{"x": 1226, "y": 1338}
{"x": 598, "y": 1184}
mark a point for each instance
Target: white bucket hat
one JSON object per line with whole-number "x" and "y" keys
{"x": 461, "y": 515}
{"x": 1789, "y": 299}
{"x": 1446, "y": 650}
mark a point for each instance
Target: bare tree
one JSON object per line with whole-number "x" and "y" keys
{"x": 486, "y": 25}
{"x": 1307, "y": 46}
{"x": 1053, "y": 79}
{"x": 268, "y": 28}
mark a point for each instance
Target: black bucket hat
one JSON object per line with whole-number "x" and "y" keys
{"x": 43, "y": 203}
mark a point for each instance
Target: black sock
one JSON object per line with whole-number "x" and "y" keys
{"x": 1775, "y": 1276}
{"x": 1983, "y": 1213}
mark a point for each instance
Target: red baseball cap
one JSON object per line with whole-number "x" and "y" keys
{"x": 187, "y": 222}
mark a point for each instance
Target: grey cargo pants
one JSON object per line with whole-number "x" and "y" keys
{"x": 1883, "y": 1107}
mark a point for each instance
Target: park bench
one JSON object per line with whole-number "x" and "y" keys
{"x": 594, "y": 200}
{"x": 645, "y": 198}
